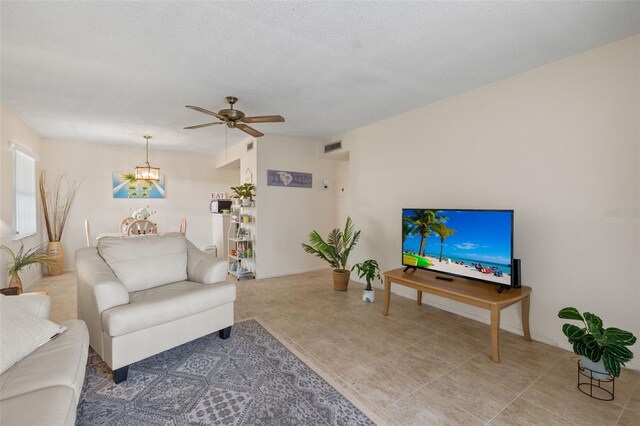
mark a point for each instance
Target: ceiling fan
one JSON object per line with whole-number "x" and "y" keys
{"x": 234, "y": 118}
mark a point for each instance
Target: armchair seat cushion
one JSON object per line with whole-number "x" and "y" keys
{"x": 159, "y": 305}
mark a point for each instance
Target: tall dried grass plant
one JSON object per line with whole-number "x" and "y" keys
{"x": 56, "y": 204}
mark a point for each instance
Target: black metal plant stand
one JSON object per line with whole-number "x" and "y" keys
{"x": 596, "y": 387}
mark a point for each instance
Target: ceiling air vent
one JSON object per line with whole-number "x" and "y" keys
{"x": 249, "y": 146}
{"x": 334, "y": 146}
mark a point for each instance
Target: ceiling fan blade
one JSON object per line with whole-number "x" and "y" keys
{"x": 197, "y": 126}
{"x": 250, "y": 130}
{"x": 264, "y": 119}
{"x": 206, "y": 111}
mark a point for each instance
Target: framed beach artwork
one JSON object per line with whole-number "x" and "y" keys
{"x": 125, "y": 185}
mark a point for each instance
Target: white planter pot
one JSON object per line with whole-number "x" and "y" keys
{"x": 368, "y": 296}
{"x": 246, "y": 202}
{"x": 597, "y": 368}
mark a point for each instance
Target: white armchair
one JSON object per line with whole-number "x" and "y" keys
{"x": 143, "y": 295}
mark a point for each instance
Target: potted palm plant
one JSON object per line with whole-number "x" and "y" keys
{"x": 369, "y": 271}
{"x": 22, "y": 259}
{"x": 244, "y": 192}
{"x": 335, "y": 251}
{"x": 601, "y": 349}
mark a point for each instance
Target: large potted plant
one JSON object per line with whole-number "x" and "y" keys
{"x": 335, "y": 251}
{"x": 602, "y": 349}
{"x": 56, "y": 204}
{"x": 369, "y": 271}
{"x": 22, "y": 259}
{"x": 244, "y": 192}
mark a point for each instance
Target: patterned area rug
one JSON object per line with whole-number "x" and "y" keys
{"x": 249, "y": 379}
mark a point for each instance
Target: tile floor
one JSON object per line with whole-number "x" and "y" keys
{"x": 418, "y": 366}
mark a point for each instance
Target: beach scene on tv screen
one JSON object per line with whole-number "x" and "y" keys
{"x": 470, "y": 243}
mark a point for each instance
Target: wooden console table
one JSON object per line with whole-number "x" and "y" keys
{"x": 466, "y": 291}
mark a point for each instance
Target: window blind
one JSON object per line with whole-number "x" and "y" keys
{"x": 24, "y": 189}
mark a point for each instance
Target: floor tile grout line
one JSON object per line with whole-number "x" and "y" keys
{"x": 452, "y": 402}
{"x": 442, "y": 397}
{"x": 518, "y": 395}
{"x": 533, "y": 403}
{"x": 624, "y": 408}
{"x": 425, "y": 385}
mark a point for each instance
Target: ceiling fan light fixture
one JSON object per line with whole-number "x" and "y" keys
{"x": 235, "y": 119}
{"x": 147, "y": 172}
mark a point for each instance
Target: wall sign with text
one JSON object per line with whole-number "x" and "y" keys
{"x": 289, "y": 179}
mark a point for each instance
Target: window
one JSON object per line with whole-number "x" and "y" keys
{"x": 24, "y": 190}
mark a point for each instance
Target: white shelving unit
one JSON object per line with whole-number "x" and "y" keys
{"x": 241, "y": 254}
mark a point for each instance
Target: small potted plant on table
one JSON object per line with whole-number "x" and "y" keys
{"x": 22, "y": 259}
{"x": 335, "y": 250}
{"x": 602, "y": 350}
{"x": 369, "y": 271}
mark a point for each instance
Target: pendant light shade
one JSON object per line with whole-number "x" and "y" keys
{"x": 148, "y": 172}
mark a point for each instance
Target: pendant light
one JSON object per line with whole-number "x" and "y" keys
{"x": 147, "y": 172}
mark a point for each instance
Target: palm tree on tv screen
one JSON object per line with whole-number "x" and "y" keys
{"x": 443, "y": 232}
{"x": 408, "y": 229}
{"x": 425, "y": 222}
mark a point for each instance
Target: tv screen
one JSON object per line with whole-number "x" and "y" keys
{"x": 476, "y": 244}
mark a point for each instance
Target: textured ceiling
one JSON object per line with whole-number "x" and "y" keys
{"x": 110, "y": 72}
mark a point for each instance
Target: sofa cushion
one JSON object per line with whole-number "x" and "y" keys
{"x": 146, "y": 261}
{"x": 44, "y": 407}
{"x": 60, "y": 362}
{"x": 164, "y": 304}
{"x": 22, "y": 332}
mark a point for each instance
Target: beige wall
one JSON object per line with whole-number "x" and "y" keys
{"x": 340, "y": 189}
{"x": 190, "y": 177}
{"x": 13, "y": 130}
{"x": 286, "y": 216}
{"x": 559, "y": 144}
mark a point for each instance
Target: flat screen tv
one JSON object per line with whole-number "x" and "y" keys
{"x": 476, "y": 244}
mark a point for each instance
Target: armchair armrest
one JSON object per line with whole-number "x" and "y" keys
{"x": 97, "y": 284}
{"x": 98, "y": 290}
{"x": 202, "y": 268}
{"x": 37, "y": 304}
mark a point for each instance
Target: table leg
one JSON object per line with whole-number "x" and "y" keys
{"x": 495, "y": 333}
{"x": 524, "y": 304}
{"x": 387, "y": 295}
{"x": 419, "y": 297}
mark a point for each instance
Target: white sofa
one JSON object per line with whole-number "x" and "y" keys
{"x": 141, "y": 295}
{"x": 43, "y": 388}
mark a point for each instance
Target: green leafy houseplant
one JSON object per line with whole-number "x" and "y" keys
{"x": 22, "y": 259}
{"x": 243, "y": 191}
{"x": 595, "y": 342}
{"x": 368, "y": 270}
{"x": 335, "y": 251}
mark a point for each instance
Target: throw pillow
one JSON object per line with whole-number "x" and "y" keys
{"x": 21, "y": 332}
